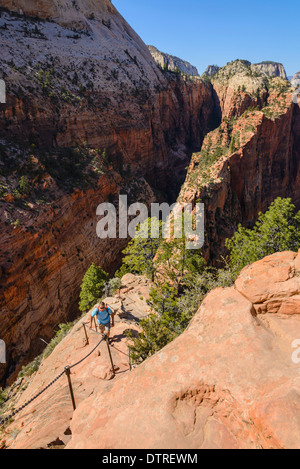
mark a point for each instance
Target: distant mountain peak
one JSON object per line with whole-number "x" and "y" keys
{"x": 271, "y": 68}
{"x": 296, "y": 79}
{"x": 172, "y": 63}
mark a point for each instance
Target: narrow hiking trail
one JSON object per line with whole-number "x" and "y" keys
{"x": 45, "y": 423}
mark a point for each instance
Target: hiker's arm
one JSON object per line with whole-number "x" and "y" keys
{"x": 91, "y": 321}
{"x": 112, "y": 314}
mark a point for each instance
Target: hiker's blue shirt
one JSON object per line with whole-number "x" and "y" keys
{"x": 103, "y": 317}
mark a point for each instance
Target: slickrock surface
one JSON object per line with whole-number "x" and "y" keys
{"x": 46, "y": 421}
{"x": 229, "y": 381}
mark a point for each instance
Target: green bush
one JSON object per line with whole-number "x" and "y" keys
{"x": 140, "y": 252}
{"x": 92, "y": 287}
{"x": 276, "y": 230}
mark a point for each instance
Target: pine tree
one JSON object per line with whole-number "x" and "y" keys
{"x": 154, "y": 336}
{"x": 275, "y": 231}
{"x": 92, "y": 287}
{"x": 141, "y": 250}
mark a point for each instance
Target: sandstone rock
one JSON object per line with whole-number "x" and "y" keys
{"x": 227, "y": 382}
{"x": 65, "y": 12}
{"x": 172, "y": 63}
{"x": 234, "y": 188}
{"x": 296, "y": 79}
{"x": 270, "y": 280}
{"x": 106, "y": 92}
{"x": 211, "y": 70}
{"x": 272, "y": 69}
{"x": 101, "y": 371}
{"x": 46, "y": 419}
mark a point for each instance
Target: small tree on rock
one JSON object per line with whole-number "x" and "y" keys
{"x": 92, "y": 287}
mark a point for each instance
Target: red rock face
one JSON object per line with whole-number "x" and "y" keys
{"x": 263, "y": 164}
{"x": 146, "y": 121}
{"x": 43, "y": 272}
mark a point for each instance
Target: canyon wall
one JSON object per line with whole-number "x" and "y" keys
{"x": 273, "y": 69}
{"x": 296, "y": 79}
{"x": 250, "y": 160}
{"x": 167, "y": 61}
{"x": 88, "y": 114}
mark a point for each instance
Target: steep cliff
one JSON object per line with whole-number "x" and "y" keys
{"x": 272, "y": 69}
{"x": 231, "y": 380}
{"x": 88, "y": 114}
{"x": 211, "y": 70}
{"x": 251, "y": 159}
{"x": 296, "y": 79}
{"x": 167, "y": 61}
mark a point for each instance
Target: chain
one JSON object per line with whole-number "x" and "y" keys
{"x": 3, "y": 421}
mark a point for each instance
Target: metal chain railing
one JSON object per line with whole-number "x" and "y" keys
{"x": 3, "y": 421}
{"x": 131, "y": 366}
{"x": 66, "y": 371}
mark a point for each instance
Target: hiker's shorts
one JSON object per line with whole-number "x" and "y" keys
{"x": 104, "y": 327}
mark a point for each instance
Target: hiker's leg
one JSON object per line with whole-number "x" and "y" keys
{"x": 107, "y": 330}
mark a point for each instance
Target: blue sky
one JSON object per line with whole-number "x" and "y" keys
{"x": 217, "y": 32}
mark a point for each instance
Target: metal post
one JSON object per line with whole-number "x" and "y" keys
{"x": 86, "y": 336}
{"x": 111, "y": 360}
{"x": 129, "y": 358}
{"x": 68, "y": 373}
{"x": 95, "y": 324}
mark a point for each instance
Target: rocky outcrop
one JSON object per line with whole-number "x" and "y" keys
{"x": 169, "y": 62}
{"x": 211, "y": 70}
{"x": 231, "y": 380}
{"x": 250, "y": 160}
{"x": 102, "y": 91}
{"x": 272, "y": 69}
{"x": 296, "y": 79}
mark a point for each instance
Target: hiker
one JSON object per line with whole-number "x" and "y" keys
{"x": 103, "y": 314}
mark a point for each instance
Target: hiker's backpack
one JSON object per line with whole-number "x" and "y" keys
{"x": 106, "y": 309}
